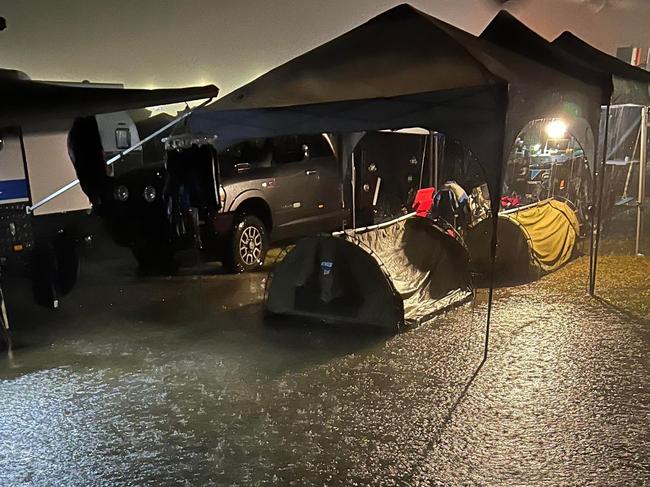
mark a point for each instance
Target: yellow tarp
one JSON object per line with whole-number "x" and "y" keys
{"x": 551, "y": 228}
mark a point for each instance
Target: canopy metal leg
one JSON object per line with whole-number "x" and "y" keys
{"x": 599, "y": 209}
{"x": 643, "y": 159}
{"x": 489, "y": 313}
{"x": 493, "y": 257}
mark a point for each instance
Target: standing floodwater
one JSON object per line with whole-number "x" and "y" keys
{"x": 178, "y": 381}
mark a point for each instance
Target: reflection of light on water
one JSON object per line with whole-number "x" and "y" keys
{"x": 207, "y": 397}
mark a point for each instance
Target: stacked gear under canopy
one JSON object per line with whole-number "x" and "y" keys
{"x": 531, "y": 241}
{"x": 387, "y": 276}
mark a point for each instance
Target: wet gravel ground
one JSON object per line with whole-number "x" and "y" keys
{"x": 178, "y": 381}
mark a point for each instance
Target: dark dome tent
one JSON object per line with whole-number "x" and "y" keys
{"x": 386, "y": 276}
{"x": 402, "y": 69}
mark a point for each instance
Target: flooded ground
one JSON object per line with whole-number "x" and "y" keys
{"x": 178, "y": 381}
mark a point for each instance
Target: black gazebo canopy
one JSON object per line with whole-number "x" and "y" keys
{"x": 405, "y": 68}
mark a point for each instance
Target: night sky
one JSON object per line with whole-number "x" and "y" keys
{"x": 163, "y": 43}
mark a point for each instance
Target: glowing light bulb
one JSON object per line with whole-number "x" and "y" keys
{"x": 556, "y": 129}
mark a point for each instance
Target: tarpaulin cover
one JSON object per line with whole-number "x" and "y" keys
{"x": 386, "y": 277}
{"x": 533, "y": 240}
{"x": 24, "y": 100}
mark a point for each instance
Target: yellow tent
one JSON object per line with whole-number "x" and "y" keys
{"x": 532, "y": 240}
{"x": 551, "y": 229}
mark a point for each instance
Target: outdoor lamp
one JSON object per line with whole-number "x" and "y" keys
{"x": 556, "y": 129}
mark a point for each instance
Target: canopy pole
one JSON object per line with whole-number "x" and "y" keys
{"x": 493, "y": 258}
{"x": 495, "y": 206}
{"x": 112, "y": 160}
{"x": 643, "y": 159}
{"x": 599, "y": 208}
{"x": 436, "y": 159}
{"x": 353, "y": 183}
{"x": 592, "y": 228}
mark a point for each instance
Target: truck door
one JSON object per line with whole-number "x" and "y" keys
{"x": 292, "y": 198}
{"x": 325, "y": 184}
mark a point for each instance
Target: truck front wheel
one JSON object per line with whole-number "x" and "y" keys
{"x": 248, "y": 245}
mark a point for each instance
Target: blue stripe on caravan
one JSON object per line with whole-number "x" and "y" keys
{"x": 13, "y": 189}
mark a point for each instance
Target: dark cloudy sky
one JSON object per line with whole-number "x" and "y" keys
{"x": 160, "y": 43}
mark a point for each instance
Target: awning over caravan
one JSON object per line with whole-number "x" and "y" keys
{"x": 404, "y": 68}
{"x": 23, "y": 100}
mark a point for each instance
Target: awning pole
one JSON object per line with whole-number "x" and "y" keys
{"x": 4, "y": 322}
{"x": 112, "y": 160}
{"x": 599, "y": 208}
{"x": 643, "y": 159}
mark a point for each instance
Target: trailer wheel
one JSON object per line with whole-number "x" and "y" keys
{"x": 248, "y": 245}
{"x": 55, "y": 270}
{"x": 155, "y": 259}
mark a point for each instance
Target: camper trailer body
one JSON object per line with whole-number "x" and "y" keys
{"x": 35, "y": 163}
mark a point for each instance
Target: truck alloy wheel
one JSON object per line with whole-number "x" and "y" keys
{"x": 249, "y": 244}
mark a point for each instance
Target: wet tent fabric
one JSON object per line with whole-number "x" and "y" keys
{"x": 551, "y": 229}
{"x": 428, "y": 268}
{"x": 508, "y": 32}
{"x": 334, "y": 281}
{"x": 23, "y": 100}
{"x": 621, "y": 83}
{"x": 398, "y": 274}
{"x": 531, "y": 241}
{"x": 404, "y": 68}
{"x": 631, "y": 85}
